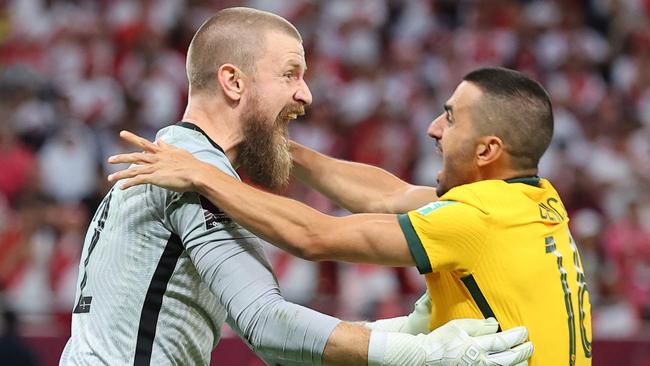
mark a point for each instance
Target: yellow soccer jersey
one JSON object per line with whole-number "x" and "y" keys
{"x": 503, "y": 249}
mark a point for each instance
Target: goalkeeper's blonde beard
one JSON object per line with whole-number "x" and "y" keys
{"x": 264, "y": 154}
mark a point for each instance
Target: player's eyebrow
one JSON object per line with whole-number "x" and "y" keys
{"x": 295, "y": 64}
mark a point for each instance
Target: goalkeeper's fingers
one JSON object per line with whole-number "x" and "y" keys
{"x": 502, "y": 341}
{"x": 477, "y": 327}
{"x": 515, "y": 356}
{"x": 423, "y": 303}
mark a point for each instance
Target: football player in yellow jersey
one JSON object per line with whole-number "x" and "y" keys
{"x": 494, "y": 244}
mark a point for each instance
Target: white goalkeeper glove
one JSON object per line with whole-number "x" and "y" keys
{"x": 459, "y": 342}
{"x": 415, "y": 323}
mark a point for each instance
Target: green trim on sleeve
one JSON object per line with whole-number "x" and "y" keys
{"x": 415, "y": 245}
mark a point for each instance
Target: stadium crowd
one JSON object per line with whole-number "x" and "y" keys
{"x": 74, "y": 73}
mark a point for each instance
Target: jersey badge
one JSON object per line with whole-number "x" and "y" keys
{"x": 429, "y": 208}
{"x": 212, "y": 214}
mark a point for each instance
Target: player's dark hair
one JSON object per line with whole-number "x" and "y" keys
{"x": 516, "y": 109}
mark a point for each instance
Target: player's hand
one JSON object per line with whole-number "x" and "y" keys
{"x": 415, "y": 323}
{"x": 475, "y": 342}
{"x": 160, "y": 164}
{"x": 418, "y": 320}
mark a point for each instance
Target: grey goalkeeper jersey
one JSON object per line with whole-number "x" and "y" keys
{"x": 161, "y": 272}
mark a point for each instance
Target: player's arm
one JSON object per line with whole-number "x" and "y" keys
{"x": 286, "y": 223}
{"x": 305, "y": 232}
{"x": 355, "y": 186}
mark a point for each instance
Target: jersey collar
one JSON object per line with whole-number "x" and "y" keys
{"x": 531, "y": 180}
{"x": 194, "y": 127}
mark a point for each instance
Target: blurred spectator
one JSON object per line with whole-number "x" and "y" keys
{"x": 17, "y": 164}
{"x": 68, "y": 164}
{"x": 627, "y": 244}
{"x": 13, "y": 350}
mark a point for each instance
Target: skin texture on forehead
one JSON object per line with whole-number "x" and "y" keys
{"x": 281, "y": 51}
{"x": 464, "y": 101}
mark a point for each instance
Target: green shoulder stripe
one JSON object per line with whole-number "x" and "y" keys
{"x": 415, "y": 245}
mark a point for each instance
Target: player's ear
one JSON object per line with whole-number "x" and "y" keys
{"x": 488, "y": 150}
{"x": 231, "y": 80}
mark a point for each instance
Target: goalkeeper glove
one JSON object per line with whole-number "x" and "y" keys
{"x": 459, "y": 342}
{"x": 415, "y": 323}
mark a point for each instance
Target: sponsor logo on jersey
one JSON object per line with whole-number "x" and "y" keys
{"x": 213, "y": 215}
{"x": 83, "y": 306}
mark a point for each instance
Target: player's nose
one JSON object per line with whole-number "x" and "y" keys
{"x": 436, "y": 127}
{"x": 303, "y": 94}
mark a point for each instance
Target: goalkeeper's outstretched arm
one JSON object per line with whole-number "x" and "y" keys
{"x": 359, "y": 188}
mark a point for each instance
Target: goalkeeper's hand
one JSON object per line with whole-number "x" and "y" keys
{"x": 415, "y": 323}
{"x": 459, "y": 342}
{"x": 475, "y": 342}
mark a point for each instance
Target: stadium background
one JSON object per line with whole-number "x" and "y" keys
{"x": 73, "y": 73}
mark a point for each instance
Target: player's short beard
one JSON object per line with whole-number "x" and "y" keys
{"x": 264, "y": 154}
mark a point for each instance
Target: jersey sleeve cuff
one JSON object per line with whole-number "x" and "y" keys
{"x": 415, "y": 244}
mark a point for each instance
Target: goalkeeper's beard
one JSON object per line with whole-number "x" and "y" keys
{"x": 264, "y": 154}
